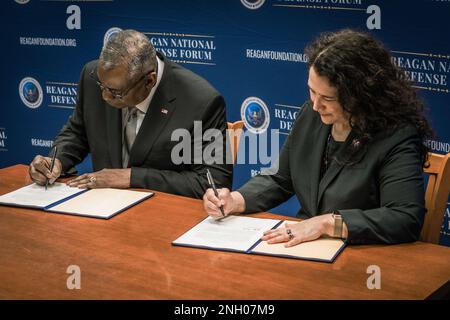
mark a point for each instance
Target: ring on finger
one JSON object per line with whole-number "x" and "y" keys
{"x": 289, "y": 233}
{"x": 92, "y": 179}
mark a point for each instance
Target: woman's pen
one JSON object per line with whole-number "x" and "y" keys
{"x": 213, "y": 186}
{"x": 51, "y": 166}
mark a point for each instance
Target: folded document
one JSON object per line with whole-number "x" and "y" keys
{"x": 98, "y": 203}
{"x": 243, "y": 234}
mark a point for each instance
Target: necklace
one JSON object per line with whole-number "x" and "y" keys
{"x": 327, "y": 153}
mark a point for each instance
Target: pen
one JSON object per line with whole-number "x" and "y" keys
{"x": 51, "y": 166}
{"x": 213, "y": 186}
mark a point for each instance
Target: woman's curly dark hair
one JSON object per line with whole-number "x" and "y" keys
{"x": 371, "y": 88}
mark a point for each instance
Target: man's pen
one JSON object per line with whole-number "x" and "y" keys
{"x": 213, "y": 186}
{"x": 51, "y": 166}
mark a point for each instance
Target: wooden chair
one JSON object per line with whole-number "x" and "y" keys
{"x": 235, "y": 131}
{"x": 436, "y": 196}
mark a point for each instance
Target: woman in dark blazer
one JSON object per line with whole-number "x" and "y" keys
{"x": 354, "y": 156}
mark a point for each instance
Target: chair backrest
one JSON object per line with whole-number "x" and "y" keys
{"x": 436, "y": 196}
{"x": 235, "y": 131}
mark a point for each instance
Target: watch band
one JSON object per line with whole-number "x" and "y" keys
{"x": 337, "y": 224}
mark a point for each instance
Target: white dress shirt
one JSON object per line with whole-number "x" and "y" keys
{"x": 142, "y": 107}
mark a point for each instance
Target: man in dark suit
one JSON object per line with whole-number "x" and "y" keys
{"x": 130, "y": 102}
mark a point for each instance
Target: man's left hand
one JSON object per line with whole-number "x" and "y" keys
{"x": 106, "y": 178}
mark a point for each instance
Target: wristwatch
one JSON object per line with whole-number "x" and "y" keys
{"x": 337, "y": 224}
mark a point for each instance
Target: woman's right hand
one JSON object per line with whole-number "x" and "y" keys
{"x": 232, "y": 202}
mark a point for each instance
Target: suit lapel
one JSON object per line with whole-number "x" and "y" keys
{"x": 320, "y": 139}
{"x": 114, "y": 134}
{"x": 158, "y": 113}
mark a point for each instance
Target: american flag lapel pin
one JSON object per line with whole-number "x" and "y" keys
{"x": 164, "y": 110}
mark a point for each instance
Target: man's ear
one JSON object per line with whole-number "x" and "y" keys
{"x": 151, "y": 80}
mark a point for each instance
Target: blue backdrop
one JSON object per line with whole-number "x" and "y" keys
{"x": 245, "y": 48}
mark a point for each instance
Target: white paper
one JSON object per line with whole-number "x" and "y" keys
{"x": 233, "y": 233}
{"x": 321, "y": 249}
{"x": 36, "y": 196}
{"x": 100, "y": 203}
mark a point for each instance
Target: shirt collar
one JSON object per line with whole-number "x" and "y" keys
{"x": 143, "y": 106}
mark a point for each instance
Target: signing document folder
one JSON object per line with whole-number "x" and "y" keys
{"x": 243, "y": 234}
{"x": 60, "y": 198}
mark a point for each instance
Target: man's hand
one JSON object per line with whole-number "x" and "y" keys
{"x": 106, "y": 178}
{"x": 39, "y": 170}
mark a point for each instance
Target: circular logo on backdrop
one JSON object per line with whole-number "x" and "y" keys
{"x": 30, "y": 92}
{"x": 255, "y": 114}
{"x": 22, "y": 1}
{"x": 111, "y": 33}
{"x": 253, "y": 4}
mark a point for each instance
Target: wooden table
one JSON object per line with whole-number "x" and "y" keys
{"x": 131, "y": 257}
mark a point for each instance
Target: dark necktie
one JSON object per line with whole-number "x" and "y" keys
{"x": 129, "y": 133}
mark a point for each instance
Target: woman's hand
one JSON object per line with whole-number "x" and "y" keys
{"x": 306, "y": 230}
{"x": 231, "y": 202}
